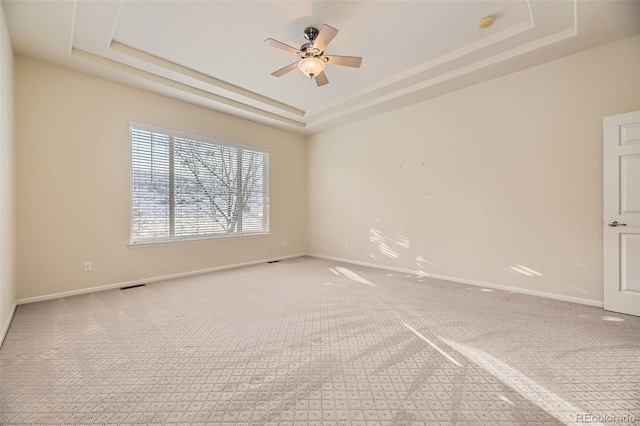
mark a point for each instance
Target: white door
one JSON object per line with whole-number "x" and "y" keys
{"x": 622, "y": 213}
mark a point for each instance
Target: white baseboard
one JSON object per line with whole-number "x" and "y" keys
{"x": 148, "y": 280}
{"x": 547, "y": 295}
{"x": 564, "y": 298}
{"x": 5, "y": 327}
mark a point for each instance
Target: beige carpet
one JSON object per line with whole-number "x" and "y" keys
{"x": 315, "y": 342}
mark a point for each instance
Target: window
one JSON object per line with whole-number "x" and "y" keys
{"x": 185, "y": 187}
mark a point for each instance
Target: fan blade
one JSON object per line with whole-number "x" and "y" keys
{"x": 321, "y": 79}
{"x": 325, "y": 36}
{"x": 347, "y": 61}
{"x": 283, "y": 71}
{"x": 280, "y": 45}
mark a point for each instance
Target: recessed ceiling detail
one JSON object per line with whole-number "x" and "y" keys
{"x": 231, "y": 90}
{"x": 212, "y": 53}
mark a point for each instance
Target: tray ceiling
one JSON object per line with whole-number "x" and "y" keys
{"x": 212, "y": 53}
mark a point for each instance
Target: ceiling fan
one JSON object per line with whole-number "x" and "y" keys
{"x": 313, "y": 59}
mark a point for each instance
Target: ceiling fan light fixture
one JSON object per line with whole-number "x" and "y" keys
{"x": 313, "y": 60}
{"x": 311, "y": 66}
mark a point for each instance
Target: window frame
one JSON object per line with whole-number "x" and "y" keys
{"x": 202, "y": 139}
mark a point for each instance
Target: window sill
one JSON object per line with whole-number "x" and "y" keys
{"x": 197, "y": 239}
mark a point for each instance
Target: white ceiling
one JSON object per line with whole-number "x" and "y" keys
{"x": 212, "y": 53}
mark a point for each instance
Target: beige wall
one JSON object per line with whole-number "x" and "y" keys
{"x": 473, "y": 185}
{"x": 8, "y": 292}
{"x": 73, "y": 174}
{"x": 507, "y": 173}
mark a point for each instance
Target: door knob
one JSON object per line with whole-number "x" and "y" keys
{"x": 614, "y": 223}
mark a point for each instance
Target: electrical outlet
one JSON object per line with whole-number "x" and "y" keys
{"x": 359, "y": 247}
{"x": 87, "y": 266}
{"x": 284, "y": 243}
{"x": 346, "y": 245}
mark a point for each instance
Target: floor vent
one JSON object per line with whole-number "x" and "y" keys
{"x": 132, "y": 286}
{"x": 273, "y": 261}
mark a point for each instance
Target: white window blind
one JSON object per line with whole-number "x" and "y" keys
{"x": 184, "y": 188}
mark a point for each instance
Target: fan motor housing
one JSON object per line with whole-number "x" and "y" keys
{"x": 307, "y": 50}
